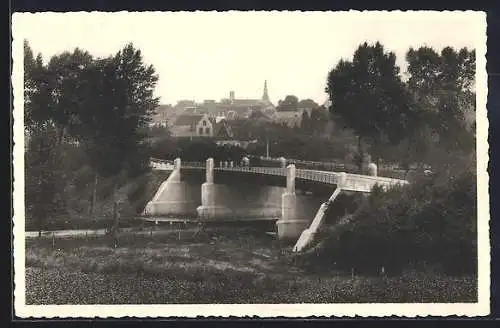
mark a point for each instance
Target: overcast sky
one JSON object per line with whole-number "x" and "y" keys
{"x": 205, "y": 55}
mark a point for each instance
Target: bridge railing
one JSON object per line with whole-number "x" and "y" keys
{"x": 311, "y": 165}
{"x": 158, "y": 160}
{"x": 193, "y": 164}
{"x": 328, "y": 177}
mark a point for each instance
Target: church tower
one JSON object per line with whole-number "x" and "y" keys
{"x": 265, "y": 96}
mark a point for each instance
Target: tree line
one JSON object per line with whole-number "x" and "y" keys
{"x": 427, "y": 119}
{"x": 75, "y": 103}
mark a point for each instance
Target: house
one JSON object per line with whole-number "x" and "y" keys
{"x": 223, "y": 135}
{"x": 195, "y": 125}
{"x": 258, "y": 116}
{"x": 222, "y": 130}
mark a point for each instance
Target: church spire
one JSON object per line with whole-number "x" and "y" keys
{"x": 265, "y": 96}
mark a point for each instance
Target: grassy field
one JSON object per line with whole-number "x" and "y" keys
{"x": 218, "y": 265}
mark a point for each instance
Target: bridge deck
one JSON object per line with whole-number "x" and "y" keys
{"x": 354, "y": 182}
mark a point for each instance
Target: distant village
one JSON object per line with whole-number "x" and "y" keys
{"x": 217, "y": 120}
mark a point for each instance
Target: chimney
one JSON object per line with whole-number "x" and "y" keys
{"x": 231, "y": 95}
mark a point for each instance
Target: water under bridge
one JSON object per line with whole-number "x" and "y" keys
{"x": 210, "y": 193}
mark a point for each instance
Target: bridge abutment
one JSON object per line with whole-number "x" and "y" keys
{"x": 292, "y": 221}
{"x": 174, "y": 197}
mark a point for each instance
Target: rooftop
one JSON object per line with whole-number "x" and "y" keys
{"x": 186, "y": 119}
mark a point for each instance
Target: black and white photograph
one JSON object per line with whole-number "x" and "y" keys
{"x": 284, "y": 163}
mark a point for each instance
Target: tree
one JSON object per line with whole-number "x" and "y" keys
{"x": 433, "y": 74}
{"x": 308, "y": 103}
{"x": 104, "y": 104}
{"x": 290, "y": 103}
{"x": 442, "y": 84}
{"x": 37, "y": 93}
{"x": 305, "y": 122}
{"x": 44, "y": 190}
{"x": 119, "y": 102}
{"x": 65, "y": 73}
{"x": 319, "y": 120}
{"x": 369, "y": 95}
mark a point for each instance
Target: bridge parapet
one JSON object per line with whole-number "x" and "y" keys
{"x": 353, "y": 182}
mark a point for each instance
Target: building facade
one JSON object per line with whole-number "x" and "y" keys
{"x": 192, "y": 125}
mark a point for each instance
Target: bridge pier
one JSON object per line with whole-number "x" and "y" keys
{"x": 174, "y": 197}
{"x": 211, "y": 196}
{"x": 292, "y": 222}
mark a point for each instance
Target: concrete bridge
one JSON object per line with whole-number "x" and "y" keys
{"x": 244, "y": 192}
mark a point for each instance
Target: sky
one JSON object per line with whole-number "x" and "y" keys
{"x": 205, "y": 55}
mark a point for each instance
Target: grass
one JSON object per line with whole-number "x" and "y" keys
{"x": 216, "y": 266}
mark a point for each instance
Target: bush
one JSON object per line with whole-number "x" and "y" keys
{"x": 165, "y": 148}
{"x": 428, "y": 223}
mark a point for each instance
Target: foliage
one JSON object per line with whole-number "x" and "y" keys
{"x": 119, "y": 101}
{"x": 229, "y": 153}
{"x": 44, "y": 188}
{"x": 195, "y": 150}
{"x": 91, "y": 107}
{"x": 305, "y": 122}
{"x": 369, "y": 95}
{"x": 307, "y": 103}
{"x": 290, "y": 103}
{"x": 441, "y": 85}
{"x": 429, "y": 223}
{"x": 428, "y": 120}
{"x": 432, "y": 73}
{"x": 302, "y": 146}
{"x": 318, "y": 121}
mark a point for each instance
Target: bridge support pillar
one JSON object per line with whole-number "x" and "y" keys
{"x": 210, "y": 197}
{"x": 173, "y": 198}
{"x": 292, "y": 223}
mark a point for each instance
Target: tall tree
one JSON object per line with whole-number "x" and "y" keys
{"x": 443, "y": 85}
{"x": 37, "y": 93}
{"x": 307, "y": 103}
{"x": 305, "y": 122}
{"x": 44, "y": 188}
{"x": 319, "y": 120}
{"x": 65, "y": 82}
{"x": 369, "y": 95}
{"x": 433, "y": 74}
{"x": 290, "y": 103}
{"x": 119, "y": 102}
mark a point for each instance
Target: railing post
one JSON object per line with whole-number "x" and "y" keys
{"x": 372, "y": 169}
{"x": 177, "y": 164}
{"x": 290, "y": 178}
{"x": 210, "y": 170}
{"x": 342, "y": 180}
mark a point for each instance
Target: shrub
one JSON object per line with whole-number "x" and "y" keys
{"x": 428, "y": 223}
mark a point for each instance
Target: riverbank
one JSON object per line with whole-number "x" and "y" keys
{"x": 215, "y": 265}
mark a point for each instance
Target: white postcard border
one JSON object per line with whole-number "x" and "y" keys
{"x": 482, "y": 307}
